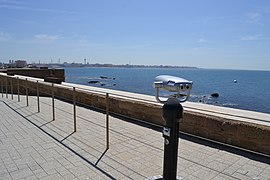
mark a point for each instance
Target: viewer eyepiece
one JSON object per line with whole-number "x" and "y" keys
{"x": 180, "y": 86}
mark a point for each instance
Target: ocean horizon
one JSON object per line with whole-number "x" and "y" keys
{"x": 240, "y": 89}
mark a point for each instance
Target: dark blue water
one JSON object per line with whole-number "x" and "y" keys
{"x": 251, "y": 92}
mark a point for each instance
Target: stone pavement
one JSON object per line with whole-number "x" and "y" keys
{"x": 32, "y": 146}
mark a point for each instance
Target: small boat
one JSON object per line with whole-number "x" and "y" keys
{"x": 235, "y": 81}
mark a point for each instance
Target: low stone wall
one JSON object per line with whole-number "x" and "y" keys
{"x": 254, "y": 137}
{"x": 36, "y": 72}
{"x": 251, "y": 136}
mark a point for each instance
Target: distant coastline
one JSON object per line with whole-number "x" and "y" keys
{"x": 64, "y": 65}
{"x": 24, "y": 64}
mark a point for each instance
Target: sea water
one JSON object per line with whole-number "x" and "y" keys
{"x": 240, "y": 89}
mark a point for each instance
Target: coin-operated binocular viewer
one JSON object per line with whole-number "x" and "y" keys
{"x": 172, "y": 114}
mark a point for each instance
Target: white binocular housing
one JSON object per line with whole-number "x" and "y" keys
{"x": 181, "y": 86}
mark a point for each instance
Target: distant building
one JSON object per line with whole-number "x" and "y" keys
{"x": 20, "y": 63}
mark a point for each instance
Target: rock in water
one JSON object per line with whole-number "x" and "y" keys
{"x": 93, "y": 82}
{"x": 104, "y": 77}
{"x": 214, "y": 95}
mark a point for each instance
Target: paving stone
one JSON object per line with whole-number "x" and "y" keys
{"x": 53, "y": 176}
{"x": 23, "y": 173}
{"x": 31, "y": 178}
{"x": 3, "y": 171}
{"x": 218, "y": 166}
{"x": 231, "y": 169}
{"x": 240, "y": 176}
{"x": 5, "y": 176}
{"x": 223, "y": 177}
{"x": 205, "y": 173}
{"x": 41, "y": 175}
{"x": 12, "y": 167}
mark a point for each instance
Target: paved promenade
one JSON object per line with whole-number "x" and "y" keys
{"x": 33, "y": 146}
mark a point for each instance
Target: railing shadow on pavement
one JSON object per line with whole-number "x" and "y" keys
{"x": 65, "y": 145}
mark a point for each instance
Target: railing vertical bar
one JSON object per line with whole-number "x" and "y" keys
{"x": 38, "y": 97}
{"x": 6, "y": 87}
{"x": 26, "y": 92}
{"x": 2, "y": 89}
{"x": 53, "y": 110}
{"x": 18, "y": 83}
{"x": 74, "y": 109}
{"x": 107, "y": 120}
{"x": 11, "y": 88}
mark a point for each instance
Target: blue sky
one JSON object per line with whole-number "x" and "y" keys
{"x": 227, "y": 34}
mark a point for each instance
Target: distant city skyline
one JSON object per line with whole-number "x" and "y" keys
{"x": 206, "y": 34}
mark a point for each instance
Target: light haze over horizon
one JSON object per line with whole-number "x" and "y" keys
{"x": 225, "y": 34}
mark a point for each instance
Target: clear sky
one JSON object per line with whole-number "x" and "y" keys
{"x": 227, "y": 34}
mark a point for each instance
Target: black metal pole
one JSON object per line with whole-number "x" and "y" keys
{"x": 172, "y": 113}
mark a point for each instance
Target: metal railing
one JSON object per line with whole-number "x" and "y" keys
{"x": 9, "y": 83}
{"x": 23, "y": 88}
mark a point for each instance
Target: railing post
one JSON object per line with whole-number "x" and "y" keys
{"x": 6, "y": 87}
{"x": 11, "y": 88}
{"x": 38, "y": 97}
{"x": 107, "y": 120}
{"x": 26, "y": 92}
{"x": 53, "y": 110}
{"x": 2, "y": 89}
{"x": 18, "y": 89}
{"x": 74, "y": 109}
